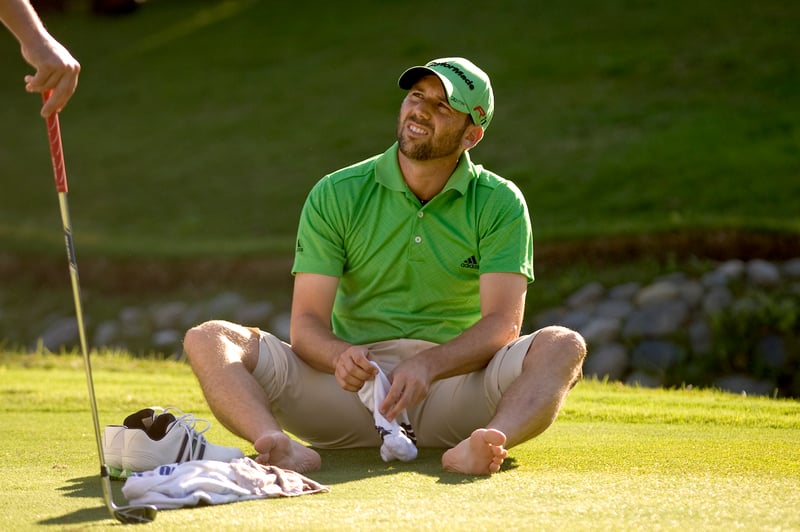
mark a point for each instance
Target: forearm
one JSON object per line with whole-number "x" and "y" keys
{"x": 315, "y": 343}
{"x": 22, "y": 21}
{"x": 472, "y": 349}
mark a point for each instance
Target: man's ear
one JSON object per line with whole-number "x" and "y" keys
{"x": 472, "y": 136}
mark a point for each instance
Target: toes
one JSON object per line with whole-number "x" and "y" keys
{"x": 492, "y": 436}
{"x": 264, "y": 445}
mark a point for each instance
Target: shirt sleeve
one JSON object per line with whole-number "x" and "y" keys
{"x": 506, "y": 235}
{"x": 320, "y": 243}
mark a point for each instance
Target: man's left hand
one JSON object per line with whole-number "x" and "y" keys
{"x": 411, "y": 381}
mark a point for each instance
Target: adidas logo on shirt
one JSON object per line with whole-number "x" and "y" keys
{"x": 471, "y": 263}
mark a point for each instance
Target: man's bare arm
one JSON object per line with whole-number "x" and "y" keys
{"x": 502, "y": 308}
{"x": 313, "y": 339}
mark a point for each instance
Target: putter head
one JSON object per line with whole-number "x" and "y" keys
{"x": 134, "y": 515}
{"x": 129, "y": 515}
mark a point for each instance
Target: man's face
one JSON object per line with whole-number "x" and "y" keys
{"x": 428, "y": 128}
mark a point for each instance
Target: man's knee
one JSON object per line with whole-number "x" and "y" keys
{"x": 198, "y": 339}
{"x": 218, "y": 339}
{"x": 572, "y": 342}
{"x": 566, "y": 345}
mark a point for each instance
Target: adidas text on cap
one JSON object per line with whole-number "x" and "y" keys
{"x": 467, "y": 86}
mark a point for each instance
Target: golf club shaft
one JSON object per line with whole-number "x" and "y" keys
{"x": 126, "y": 514}
{"x": 59, "y": 171}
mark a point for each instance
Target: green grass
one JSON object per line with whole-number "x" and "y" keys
{"x": 199, "y": 126}
{"x": 618, "y": 458}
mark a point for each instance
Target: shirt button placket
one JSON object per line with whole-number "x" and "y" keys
{"x": 416, "y": 252}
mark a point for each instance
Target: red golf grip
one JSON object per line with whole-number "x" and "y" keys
{"x": 56, "y": 151}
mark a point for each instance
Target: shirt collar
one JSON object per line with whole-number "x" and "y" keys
{"x": 388, "y": 174}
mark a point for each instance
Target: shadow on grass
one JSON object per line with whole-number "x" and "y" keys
{"x": 338, "y": 467}
{"x": 84, "y": 488}
{"x": 348, "y": 465}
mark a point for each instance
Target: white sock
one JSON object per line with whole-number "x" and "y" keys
{"x": 399, "y": 442}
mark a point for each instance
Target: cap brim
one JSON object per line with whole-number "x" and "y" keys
{"x": 412, "y": 75}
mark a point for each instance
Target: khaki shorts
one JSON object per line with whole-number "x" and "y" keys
{"x": 312, "y": 406}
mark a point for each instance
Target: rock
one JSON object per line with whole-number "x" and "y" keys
{"x": 655, "y": 357}
{"x": 624, "y": 291}
{"x": 658, "y": 292}
{"x": 656, "y": 320}
{"x": 613, "y": 308}
{"x": 106, "y": 334}
{"x": 691, "y": 292}
{"x": 591, "y": 293}
{"x": 717, "y": 300}
{"x": 224, "y": 305}
{"x": 167, "y": 338}
{"x": 725, "y": 273}
{"x": 194, "y": 315}
{"x": 763, "y": 273}
{"x": 63, "y": 333}
{"x": 732, "y": 269}
{"x": 601, "y": 330}
{"x": 168, "y": 315}
{"x": 610, "y": 360}
{"x": 576, "y": 319}
{"x": 254, "y": 314}
{"x": 133, "y": 323}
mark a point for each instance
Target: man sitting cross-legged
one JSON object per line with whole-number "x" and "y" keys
{"x": 416, "y": 259}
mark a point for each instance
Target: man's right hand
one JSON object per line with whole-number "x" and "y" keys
{"x": 56, "y": 69}
{"x": 353, "y": 368}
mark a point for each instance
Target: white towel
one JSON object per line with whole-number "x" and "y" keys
{"x": 399, "y": 442}
{"x": 211, "y": 482}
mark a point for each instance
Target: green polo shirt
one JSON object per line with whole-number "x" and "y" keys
{"x": 406, "y": 270}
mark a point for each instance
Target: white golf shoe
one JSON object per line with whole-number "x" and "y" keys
{"x": 150, "y": 439}
{"x": 113, "y": 442}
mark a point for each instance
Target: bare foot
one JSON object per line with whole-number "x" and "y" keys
{"x": 480, "y": 454}
{"x": 278, "y": 449}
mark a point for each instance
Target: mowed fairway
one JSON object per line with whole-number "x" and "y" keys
{"x": 618, "y": 458}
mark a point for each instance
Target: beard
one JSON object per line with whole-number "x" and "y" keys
{"x": 432, "y": 147}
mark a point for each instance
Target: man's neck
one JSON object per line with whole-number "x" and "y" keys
{"x": 427, "y": 178}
